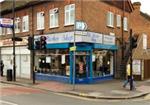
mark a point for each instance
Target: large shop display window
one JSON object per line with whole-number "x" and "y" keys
{"x": 54, "y": 62}
{"x": 102, "y": 63}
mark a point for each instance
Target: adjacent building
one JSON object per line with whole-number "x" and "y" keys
{"x": 95, "y": 30}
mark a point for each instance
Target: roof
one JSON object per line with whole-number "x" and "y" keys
{"x": 121, "y": 4}
{"x": 6, "y": 6}
{"x": 145, "y": 15}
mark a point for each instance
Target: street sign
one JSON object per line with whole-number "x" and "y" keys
{"x": 6, "y": 22}
{"x": 80, "y": 25}
{"x": 73, "y": 48}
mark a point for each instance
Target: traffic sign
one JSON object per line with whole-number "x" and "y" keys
{"x": 73, "y": 48}
{"x": 80, "y": 25}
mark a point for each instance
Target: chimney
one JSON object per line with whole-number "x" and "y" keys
{"x": 137, "y": 6}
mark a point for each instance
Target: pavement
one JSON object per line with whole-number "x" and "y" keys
{"x": 110, "y": 89}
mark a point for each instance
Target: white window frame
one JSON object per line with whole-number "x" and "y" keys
{"x": 1, "y": 33}
{"x": 69, "y": 14}
{"x": 25, "y": 23}
{"x": 125, "y": 24}
{"x": 53, "y": 18}
{"x": 17, "y": 25}
{"x": 110, "y": 19}
{"x": 9, "y": 31}
{"x": 118, "y": 17}
{"x": 40, "y": 20}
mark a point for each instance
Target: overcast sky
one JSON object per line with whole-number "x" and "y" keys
{"x": 145, "y": 7}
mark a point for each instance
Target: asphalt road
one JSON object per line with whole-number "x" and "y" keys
{"x": 27, "y": 96}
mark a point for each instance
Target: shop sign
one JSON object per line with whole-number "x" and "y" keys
{"x": 108, "y": 39}
{"x": 6, "y": 22}
{"x": 136, "y": 67}
{"x": 80, "y": 36}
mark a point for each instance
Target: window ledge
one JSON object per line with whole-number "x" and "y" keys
{"x": 53, "y": 27}
{"x": 71, "y": 24}
{"x": 110, "y": 26}
{"x": 39, "y": 29}
{"x": 25, "y": 30}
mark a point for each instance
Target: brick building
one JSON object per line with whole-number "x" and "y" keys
{"x": 140, "y": 23}
{"x": 100, "y": 47}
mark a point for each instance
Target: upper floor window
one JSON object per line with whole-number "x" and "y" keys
{"x": 40, "y": 20}
{"x": 69, "y": 14}
{"x": 1, "y": 31}
{"x": 9, "y": 31}
{"x": 125, "y": 24}
{"x": 53, "y": 17}
{"x": 118, "y": 20}
{"x": 110, "y": 19}
{"x": 17, "y": 25}
{"x": 25, "y": 23}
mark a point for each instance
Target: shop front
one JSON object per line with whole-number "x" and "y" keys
{"x": 94, "y": 57}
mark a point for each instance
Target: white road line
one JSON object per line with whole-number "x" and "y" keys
{"x": 6, "y": 102}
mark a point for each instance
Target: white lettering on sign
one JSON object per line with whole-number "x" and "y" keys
{"x": 68, "y": 37}
{"x": 110, "y": 40}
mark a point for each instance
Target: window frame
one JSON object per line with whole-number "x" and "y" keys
{"x": 40, "y": 24}
{"x": 118, "y": 18}
{"x": 68, "y": 11}
{"x": 17, "y": 25}
{"x": 125, "y": 23}
{"x": 110, "y": 19}
{"x": 25, "y": 23}
{"x": 55, "y": 20}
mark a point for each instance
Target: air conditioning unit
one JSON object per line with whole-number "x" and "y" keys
{"x": 42, "y": 13}
{"x": 56, "y": 10}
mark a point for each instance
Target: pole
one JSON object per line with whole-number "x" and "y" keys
{"x": 13, "y": 30}
{"x": 131, "y": 74}
{"x": 32, "y": 50}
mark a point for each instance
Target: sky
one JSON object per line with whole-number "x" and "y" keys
{"x": 145, "y": 7}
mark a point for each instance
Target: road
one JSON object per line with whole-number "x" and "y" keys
{"x": 17, "y": 95}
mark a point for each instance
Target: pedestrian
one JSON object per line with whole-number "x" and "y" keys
{"x": 1, "y": 67}
{"x": 129, "y": 78}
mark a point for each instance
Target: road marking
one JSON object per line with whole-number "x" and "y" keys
{"x": 87, "y": 99}
{"x": 6, "y": 102}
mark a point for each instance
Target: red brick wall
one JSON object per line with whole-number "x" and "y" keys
{"x": 140, "y": 24}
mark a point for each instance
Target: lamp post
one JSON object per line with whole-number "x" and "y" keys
{"x": 14, "y": 55}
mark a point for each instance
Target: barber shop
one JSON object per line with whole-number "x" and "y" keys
{"x": 93, "y": 52}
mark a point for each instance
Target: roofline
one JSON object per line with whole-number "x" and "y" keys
{"x": 131, "y": 5}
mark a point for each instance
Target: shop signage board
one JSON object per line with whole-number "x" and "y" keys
{"x": 68, "y": 37}
{"x": 136, "y": 67}
{"x": 6, "y": 22}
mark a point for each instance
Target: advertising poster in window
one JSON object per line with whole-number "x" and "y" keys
{"x": 48, "y": 59}
{"x": 136, "y": 67}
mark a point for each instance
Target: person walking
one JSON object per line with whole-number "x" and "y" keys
{"x": 1, "y": 67}
{"x": 129, "y": 78}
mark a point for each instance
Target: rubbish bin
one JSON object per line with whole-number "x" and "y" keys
{"x": 9, "y": 74}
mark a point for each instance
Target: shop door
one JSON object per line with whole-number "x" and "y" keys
{"x": 82, "y": 64}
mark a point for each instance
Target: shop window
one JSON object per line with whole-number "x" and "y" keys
{"x": 69, "y": 14}
{"x": 103, "y": 63}
{"x": 25, "y": 23}
{"x": 53, "y": 18}
{"x": 55, "y": 63}
{"x": 0, "y": 30}
{"x": 40, "y": 20}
